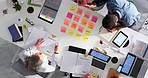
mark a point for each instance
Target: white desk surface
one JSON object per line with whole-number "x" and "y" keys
{"x": 12, "y": 17}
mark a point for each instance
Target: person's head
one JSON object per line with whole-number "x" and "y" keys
{"x": 34, "y": 62}
{"x": 110, "y": 21}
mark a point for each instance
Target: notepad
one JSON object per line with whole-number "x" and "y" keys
{"x": 15, "y": 32}
{"x": 75, "y": 63}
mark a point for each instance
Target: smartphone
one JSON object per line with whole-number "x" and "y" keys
{"x": 119, "y": 68}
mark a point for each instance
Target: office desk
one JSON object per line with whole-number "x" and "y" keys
{"x": 12, "y": 17}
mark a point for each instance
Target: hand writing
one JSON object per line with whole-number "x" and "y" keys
{"x": 39, "y": 42}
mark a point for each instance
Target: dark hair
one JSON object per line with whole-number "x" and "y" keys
{"x": 109, "y": 21}
{"x": 33, "y": 62}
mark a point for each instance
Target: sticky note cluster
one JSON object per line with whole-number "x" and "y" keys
{"x": 78, "y": 23}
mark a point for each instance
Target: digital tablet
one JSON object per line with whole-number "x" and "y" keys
{"x": 99, "y": 55}
{"x": 128, "y": 64}
{"x": 119, "y": 39}
{"x": 49, "y": 10}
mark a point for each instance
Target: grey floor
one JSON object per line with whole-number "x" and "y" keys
{"x": 8, "y": 50}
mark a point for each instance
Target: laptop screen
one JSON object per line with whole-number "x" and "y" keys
{"x": 49, "y": 10}
{"x": 128, "y": 63}
{"x": 99, "y": 55}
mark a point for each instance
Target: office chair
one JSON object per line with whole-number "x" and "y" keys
{"x": 20, "y": 68}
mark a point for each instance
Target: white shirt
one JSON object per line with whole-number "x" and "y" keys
{"x": 45, "y": 67}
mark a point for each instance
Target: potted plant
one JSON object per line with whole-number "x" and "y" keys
{"x": 16, "y": 4}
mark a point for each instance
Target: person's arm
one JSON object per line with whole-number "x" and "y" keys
{"x": 88, "y": 75}
{"x": 31, "y": 50}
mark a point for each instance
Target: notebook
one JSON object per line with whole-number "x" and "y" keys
{"x": 75, "y": 63}
{"x": 21, "y": 30}
{"x": 15, "y": 32}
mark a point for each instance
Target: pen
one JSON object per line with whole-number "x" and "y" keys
{"x": 100, "y": 29}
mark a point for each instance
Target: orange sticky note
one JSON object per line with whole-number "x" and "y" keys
{"x": 84, "y": 22}
{"x": 81, "y": 29}
{"x": 63, "y": 29}
{"x": 76, "y": 18}
{"x": 79, "y": 11}
{"x": 67, "y": 22}
{"x": 78, "y": 36}
{"x": 91, "y": 25}
{"x": 70, "y": 32}
{"x": 87, "y": 15}
{"x": 94, "y": 19}
{"x": 84, "y": 38}
{"x": 73, "y": 8}
{"x": 88, "y": 32}
{"x": 69, "y": 15}
{"x": 73, "y": 25}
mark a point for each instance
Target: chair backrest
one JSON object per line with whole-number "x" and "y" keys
{"x": 20, "y": 67}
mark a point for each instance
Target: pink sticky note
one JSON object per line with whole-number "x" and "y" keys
{"x": 94, "y": 19}
{"x": 67, "y": 22}
{"x": 69, "y": 15}
{"x": 79, "y": 11}
{"x": 76, "y": 18}
{"x": 87, "y": 15}
{"x": 63, "y": 29}
{"x": 81, "y": 29}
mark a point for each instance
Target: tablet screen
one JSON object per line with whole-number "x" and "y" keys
{"x": 128, "y": 63}
{"x": 49, "y": 10}
{"x": 99, "y": 55}
{"x": 120, "y": 39}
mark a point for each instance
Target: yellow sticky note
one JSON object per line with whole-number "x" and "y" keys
{"x": 139, "y": 48}
{"x": 70, "y": 32}
{"x": 73, "y": 8}
{"x": 88, "y": 32}
{"x": 84, "y": 38}
{"x": 78, "y": 36}
{"x": 94, "y": 75}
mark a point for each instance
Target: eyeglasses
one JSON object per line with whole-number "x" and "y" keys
{"x": 29, "y": 21}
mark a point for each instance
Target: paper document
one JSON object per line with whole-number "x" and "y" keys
{"x": 75, "y": 63}
{"x": 49, "y": 43}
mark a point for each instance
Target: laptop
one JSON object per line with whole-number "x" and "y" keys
{"x": 134, "y": 66}
{"x": 99, "y": 62}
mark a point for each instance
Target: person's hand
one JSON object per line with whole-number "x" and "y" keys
{"x": 90, "y": 5}
{"x": 88, "y": 75}
{"x": 82, "y": 2}
{"x": 39, "y": 42}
